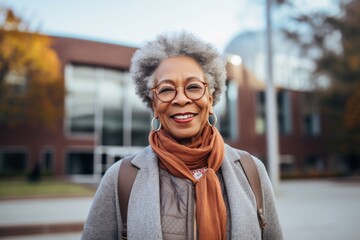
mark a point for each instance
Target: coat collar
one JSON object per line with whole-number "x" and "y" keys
{"x": 144, "y": 206}
{"x": 241, "y": 199}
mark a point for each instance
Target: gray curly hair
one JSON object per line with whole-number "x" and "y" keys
{"x": 146, "y": 60}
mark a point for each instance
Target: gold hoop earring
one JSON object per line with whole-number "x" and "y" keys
{"x": 213, "y": 121}
{"x": 152, "y": 124}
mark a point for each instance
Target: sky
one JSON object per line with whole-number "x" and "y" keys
{"x": 132, "y": 22}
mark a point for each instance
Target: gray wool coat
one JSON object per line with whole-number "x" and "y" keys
{"x": 144, "y": 220}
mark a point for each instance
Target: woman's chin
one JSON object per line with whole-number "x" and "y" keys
{"x": 186, "y": 139}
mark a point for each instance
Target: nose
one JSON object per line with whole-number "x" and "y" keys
{"x": 180, "y": 98}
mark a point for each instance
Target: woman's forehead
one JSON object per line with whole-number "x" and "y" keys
{"x": 178, "y": 69}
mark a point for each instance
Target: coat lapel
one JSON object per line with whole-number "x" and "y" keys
{"x": 144, "y": 220}
{"x": 144, "y": 205}
{"x": 241, "y": 199}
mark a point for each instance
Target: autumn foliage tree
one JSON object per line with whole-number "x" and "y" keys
{"x": 30, "y": 88}
{"x": 334, "y": 43}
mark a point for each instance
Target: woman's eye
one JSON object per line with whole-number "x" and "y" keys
{"x": 166, "y": 90}
{"x": 194, "y": 87}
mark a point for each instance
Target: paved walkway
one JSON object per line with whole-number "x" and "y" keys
{"x": 315, "y": 210}
{"x": 309, "y": 210}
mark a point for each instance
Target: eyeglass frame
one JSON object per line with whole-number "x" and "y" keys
{"x": 204, "y": 83}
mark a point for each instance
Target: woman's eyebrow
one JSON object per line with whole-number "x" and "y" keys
{"x": 166, "y": 81}
{"x": 192, "y": 78}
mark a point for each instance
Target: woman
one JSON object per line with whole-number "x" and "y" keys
{"x": 189, "y": 184}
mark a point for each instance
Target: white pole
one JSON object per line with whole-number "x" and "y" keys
{"x": 271, "y": 109}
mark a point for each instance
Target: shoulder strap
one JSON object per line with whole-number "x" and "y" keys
{"x": 251, "y": 173}
{"x": 126, "y": 178}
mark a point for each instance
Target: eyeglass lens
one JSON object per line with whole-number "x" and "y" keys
{"x": 193, "y": 90}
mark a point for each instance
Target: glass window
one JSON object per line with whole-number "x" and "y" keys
{"x": 12, "y": 162}
{"x": 287, "y": 164}
{"x": 284, "y": 112}
{"x": 82, "y": 116}
{"x": 140, "y": 128}
{"x": 103, "y": 101}
{"x": 111, "y": 107}
{"x": 47, "y": 159}
{"x": 227, "y": 113}
{"x": 111, "y": 87}
{"x": 283, "y": 99}
{"x": 260, "y": 121}
{"x": 310, "y": 114}
{"x": 112, "y": 128}
{"x": 80, "y": 100}
{"x": 314, "y": 165}
{"x": 139, "y": 123}
{"x": 79, "y": 163}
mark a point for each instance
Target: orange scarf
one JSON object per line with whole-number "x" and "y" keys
{"x": 206, "y": 150}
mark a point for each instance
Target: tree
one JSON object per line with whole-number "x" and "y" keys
{"x": 332, "y": 40}
{"x": 31, "y": 92}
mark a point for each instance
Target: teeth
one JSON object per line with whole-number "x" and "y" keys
{"x": 184, "y": 116}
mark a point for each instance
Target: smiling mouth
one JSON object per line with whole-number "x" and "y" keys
{"x": 183, "y": 117}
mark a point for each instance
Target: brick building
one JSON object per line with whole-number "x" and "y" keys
{"x": 104, "y": 120}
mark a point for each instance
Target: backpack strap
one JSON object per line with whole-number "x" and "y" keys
{"x": 248, "y": 165}
{"x": 126, "y": 178}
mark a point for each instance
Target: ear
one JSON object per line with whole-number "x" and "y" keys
{"x": 154, "y": 109}
{"x": 211, "y": 104}
{"x": 211, "y": 110}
